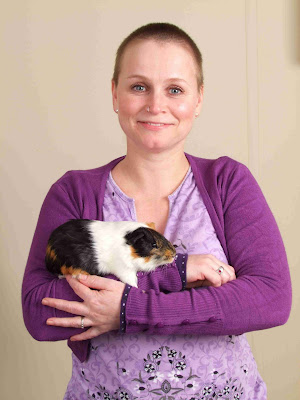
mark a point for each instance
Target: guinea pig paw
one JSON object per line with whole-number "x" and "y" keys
{"x": 61, "y": 276}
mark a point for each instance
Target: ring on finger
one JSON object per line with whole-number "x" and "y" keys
{"x": 220, "y": 270}
{"x": 82, "y": 323}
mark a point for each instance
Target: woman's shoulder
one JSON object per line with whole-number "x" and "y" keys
{"x": 221, "y": 166}
{"x": 87, "y": 177}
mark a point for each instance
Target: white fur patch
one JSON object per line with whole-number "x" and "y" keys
{"x": 114, "y": 256}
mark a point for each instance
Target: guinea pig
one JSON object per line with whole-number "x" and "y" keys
{"x": 84, "y": 246}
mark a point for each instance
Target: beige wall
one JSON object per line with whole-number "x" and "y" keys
{"x": 56, "y": 65}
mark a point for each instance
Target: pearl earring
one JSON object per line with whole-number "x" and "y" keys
{"x": 117, "y": 111}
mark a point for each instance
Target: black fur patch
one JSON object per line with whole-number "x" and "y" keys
{"x": 72, "y": 244}
{"x": 141, "y": 240}
{"x": 145, "y": 240}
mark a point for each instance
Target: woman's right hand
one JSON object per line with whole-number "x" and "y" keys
{"x": 202, "y": 270}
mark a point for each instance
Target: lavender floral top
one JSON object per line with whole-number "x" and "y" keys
{"x": 168, "y": 367}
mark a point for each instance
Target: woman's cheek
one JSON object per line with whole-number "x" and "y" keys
{"x": 185, "y": 111}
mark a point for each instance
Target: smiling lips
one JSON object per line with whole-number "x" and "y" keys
{"x": 154, "y": 126}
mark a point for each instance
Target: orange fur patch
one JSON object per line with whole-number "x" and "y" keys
{"x": 72, "y": 271}
{"x": 151, "y": 225}
{"x": 133, "y": 253}
{"x": 50, "y": 253}
{"x": 169, "y": 253}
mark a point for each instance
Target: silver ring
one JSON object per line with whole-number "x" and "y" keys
{"x": 220, "y": 270}
{"x": 82, "y": 325}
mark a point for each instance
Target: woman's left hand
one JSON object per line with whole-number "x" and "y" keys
{"x": 100, "y": 308}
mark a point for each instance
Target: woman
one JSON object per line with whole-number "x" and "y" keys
{"x": 169, "y": 337}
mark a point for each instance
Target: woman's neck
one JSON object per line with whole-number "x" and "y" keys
{"x": 153, "y": 175}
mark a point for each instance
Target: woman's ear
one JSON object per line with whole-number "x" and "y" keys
{"x": 199, "y": 101}
{"x": 114, "y": 94}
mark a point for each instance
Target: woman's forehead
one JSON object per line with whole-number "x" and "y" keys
{"x": 155, "y": 57}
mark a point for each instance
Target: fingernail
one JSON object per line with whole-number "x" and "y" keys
{"x": 45, "y": 302}
{"x": 49, "y": 322}
{"x": 82, "y": 277}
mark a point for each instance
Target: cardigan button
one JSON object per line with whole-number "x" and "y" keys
{"x": 213, "y": 319}
{"x": 159, "y": 325}
{"x": 185, "y": 322}
{"x": 133, "y": 322}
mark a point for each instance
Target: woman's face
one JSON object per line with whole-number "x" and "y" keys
{"x": 157, "y": 95}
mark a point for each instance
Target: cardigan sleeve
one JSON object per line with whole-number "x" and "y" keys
{"x": 38, "y": 282}
{"x": 259, "y": 298}
{"x": 59, "y": 206}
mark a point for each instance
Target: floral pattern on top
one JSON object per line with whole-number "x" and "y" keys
{"x": 167, "y": 374}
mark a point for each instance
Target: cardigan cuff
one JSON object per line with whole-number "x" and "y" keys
{"x": 123, "y": 307}
{"x": 181, "y": 261}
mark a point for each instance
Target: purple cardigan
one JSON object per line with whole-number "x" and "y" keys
{"x": 259, "y": 298}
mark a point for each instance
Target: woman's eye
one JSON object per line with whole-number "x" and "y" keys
{"x": 175, "y": 90}
{"x": 139, "y": 88}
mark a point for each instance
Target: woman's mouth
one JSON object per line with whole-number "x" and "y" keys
{"x": 154, "y": 126}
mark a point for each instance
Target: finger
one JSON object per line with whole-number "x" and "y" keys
{"x": 97, "y": 282}
{"x": 72, "y": 307}
{"x": 228, "y": 273}
{"x": 198, "y": 283}
{"x": 230, "y": 270}
{"x": 89, "y": 334}
{"x": 74, "y": 322}
{"x": 212, "y": 276}
{"x": 219, "y": 263}
{"x": 81, "y": 290}
{"x": 224, "y": 275}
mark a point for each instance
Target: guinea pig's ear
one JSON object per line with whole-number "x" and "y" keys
{"x": 134, "y": 236}
{"x": 151, "y": 225}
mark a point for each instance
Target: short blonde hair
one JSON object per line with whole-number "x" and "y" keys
{"x": 161, "y": 32}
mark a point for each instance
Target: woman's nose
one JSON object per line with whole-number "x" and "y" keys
{"x": 156, "y": 103}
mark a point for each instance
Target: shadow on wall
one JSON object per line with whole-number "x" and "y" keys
{"x": 293, "y": 31}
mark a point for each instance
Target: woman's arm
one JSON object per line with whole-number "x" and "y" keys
{"x": 259, "y": 298}
{"x": 38, "y": 283}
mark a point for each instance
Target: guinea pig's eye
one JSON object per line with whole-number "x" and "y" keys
{"x": 154, "y": 245}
